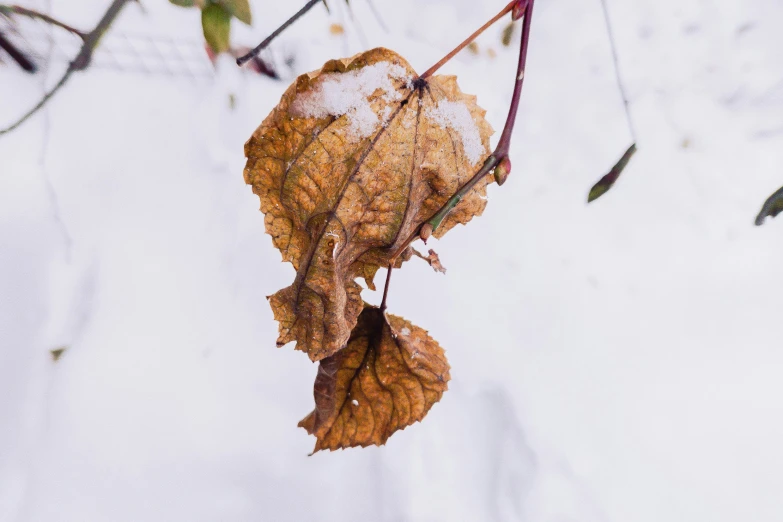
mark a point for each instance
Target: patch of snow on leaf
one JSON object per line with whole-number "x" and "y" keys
{"x": 456, "y": 116}
{"x": 347, "y": 93}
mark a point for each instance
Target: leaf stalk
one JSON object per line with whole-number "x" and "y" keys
{"x": 518, "y": 8}
{"x": 504, "y": 144}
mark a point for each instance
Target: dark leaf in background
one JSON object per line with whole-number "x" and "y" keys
{"x": 605, "y": 183}
{"x": 772, "y": 207}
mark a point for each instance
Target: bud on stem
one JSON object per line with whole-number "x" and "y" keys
{"x": 502, "y": 170}
{"x": 426, "y": 232}
{"x": 518, "y": 10}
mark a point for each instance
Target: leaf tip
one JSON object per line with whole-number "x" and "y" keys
{"x": 606, "y": 182}
{"x": 502, "y": 171}
{"x": 771, "y": 208}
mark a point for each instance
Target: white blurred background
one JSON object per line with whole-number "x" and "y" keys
{"x": 618, "y": 362}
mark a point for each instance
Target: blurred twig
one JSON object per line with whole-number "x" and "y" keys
{"x": 242, "y": 60}
{"x": 23, "y": 11}
{"x": 18, "y": 56}
{"x": 81, "y": 62}
{"x": 618, "y": 76}
{"x": 607, "y": 181}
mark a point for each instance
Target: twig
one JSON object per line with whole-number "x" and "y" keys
{"x": 499, "y": 156}
{"x": 608, "y": 180}
{"x": 23, "y": 11}
{"x": 386, "y": 286}
{"x": 501, "y": 151}
{"x": 18, "y": 56}
{"x": 81, "y": 62}
{"x": 429, "y": 72}
{"x": 242, "y": 60}
{"x": 616, "y": 60}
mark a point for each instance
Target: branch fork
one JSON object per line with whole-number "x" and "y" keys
{"x": 82, "y": 60}
{"x": 498, "y": 161}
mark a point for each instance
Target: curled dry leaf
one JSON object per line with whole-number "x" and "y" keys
{"x": 386, "y": 378}
{"x": 351, "y": 162}
{"x": 433, "y": 259}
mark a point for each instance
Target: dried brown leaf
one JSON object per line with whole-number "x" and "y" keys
{"x": 386, "y": 378}
{"x": 343, "y": 191}
{"x": 433, "y": 259}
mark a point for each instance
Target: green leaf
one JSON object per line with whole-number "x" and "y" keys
{"x": 772, "y": 207}
{"x": 606, "y": 182}
{"x": 216, "y": 23}
{"x": 238, "y": 8}
{"x": 183, "y": 3}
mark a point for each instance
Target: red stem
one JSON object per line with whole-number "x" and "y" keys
{"x": 429, "y": 72}
{"x": 501, "y": 151}
{"x": 386, "y": 286}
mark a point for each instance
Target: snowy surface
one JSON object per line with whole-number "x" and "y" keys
{"x": 349, "y": 93}
{"x": 455, "y": 115}
{"x": 615, "y": 362}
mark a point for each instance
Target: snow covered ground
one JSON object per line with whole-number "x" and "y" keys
{"x": 618, "y": 362}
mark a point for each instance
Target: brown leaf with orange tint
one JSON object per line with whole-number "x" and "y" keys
{"x": 433, "y": 259}
{"x": 386, "y": 378}
{"x": 351, "y": 162}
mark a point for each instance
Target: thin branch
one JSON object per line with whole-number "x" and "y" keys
{"x": 242, "y": 60}
{"x": 500, "y": 154}
{"x": 504, "y": 144}
{"x": 81, "y": 62}
{"x": 18, "y": 56}
{"x": 30, "y": 13}
{"x": 608, "y": 180}
{"x": 429, "y": 72}
{"x": 616, "y": 60}
{"x": 40, "y": 104}
{"x": 386, "y": 286}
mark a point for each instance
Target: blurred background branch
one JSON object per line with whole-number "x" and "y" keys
{"x": 82, "y": 60}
